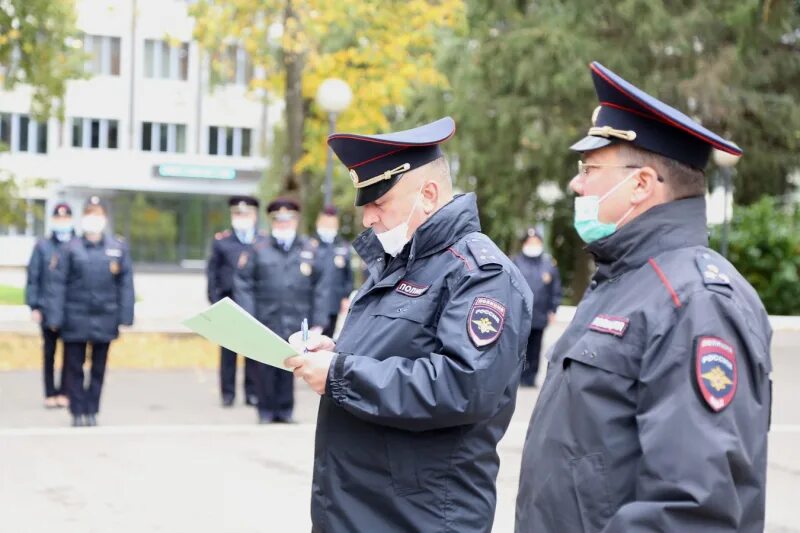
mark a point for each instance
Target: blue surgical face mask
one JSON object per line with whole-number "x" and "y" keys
{"x": 62, "y": 230}
{"x": 587, "y": 211}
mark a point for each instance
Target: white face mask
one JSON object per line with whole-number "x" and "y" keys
{"x": 93, "y": 223}
{"x": 242, "y": 224}
{"x": 394, "y": 240}
{"x": 532, "y": 250}
{"x": 284, "y": 235}
{"x": 326, "y": 235}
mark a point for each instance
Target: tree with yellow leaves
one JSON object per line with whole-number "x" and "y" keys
{"x": 384, "y": 49}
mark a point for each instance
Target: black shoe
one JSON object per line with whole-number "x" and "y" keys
{"x": 251, "y": 400}
{"x": 77, "y": 421}
{"x": 265, "y": 418}
{"x": 91, "y": 420}
{"x": 284, "y": 420}
{"x": 227, "y": 401}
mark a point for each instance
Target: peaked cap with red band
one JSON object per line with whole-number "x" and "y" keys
{"x": 377, "y": 162}
{"x": 628, "y": 114}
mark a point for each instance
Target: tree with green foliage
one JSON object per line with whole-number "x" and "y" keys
{"x": 37, "y": 39}
{"x": 382, "y": 48}
{"x": 521, "y": 94}
{"x": 764, "y": 245}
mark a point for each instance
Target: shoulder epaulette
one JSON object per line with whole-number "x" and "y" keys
{"x": 710, "y": 270}
{"x": 485, "y": 253}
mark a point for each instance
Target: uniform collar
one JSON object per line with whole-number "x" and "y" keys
{"x": 669, "y": 226}
{"x": 454, "y": 220}
{"x": 101, "y": 242}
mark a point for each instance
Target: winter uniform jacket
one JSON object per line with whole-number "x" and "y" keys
{"x": 655, "y": 409}
{"x": 92, "y": 291}
{"x": 545, "y": 283}
{"x": 423, "y": 385}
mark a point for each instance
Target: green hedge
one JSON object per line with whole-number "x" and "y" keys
{"x": 764, "y": 245}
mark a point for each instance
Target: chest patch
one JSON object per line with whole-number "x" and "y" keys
{"x": 113, "y": 252}
{"x": 409, "y": 288}
{"x": 613, "y": 325}
{"x": 485, "y": 321}
{"x": 715, "y": 372}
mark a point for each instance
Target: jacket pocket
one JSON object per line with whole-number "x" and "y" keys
{"x": 402, "y": 454}
{"x": 591, "y": 491}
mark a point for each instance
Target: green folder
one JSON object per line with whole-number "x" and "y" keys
{"x": 229, "y": 325}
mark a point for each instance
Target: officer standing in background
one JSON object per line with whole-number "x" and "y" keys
{"x": 90, "y": 296}
{"x": 333, "y": 253}
{"x": 281, "y": 283}
{"x": 539, "y": 270}
{"x": 44, "y": 259}
{"x": 655, "y": 409}
{"x": 421, "y": 385}
{"x": 227, "y": 250}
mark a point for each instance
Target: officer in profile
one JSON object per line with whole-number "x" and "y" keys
{"x": 280, "y": 282}
{"x": 45, "y": 258}
{"x": 422, "y": 382}
{"x": 334, "y": 254}
{"x": 90, "y": 297}
{"x": 539, "y": 270}
{"x": 655, "y": 409}
{"x": 228, "y": 249}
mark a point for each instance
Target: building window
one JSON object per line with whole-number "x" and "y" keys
{"x": 94, "y": 133}
{"x": 161, "y": 60}
{"x": 104, "y": 54}
{"x": 158, "y": 137}
{"x": 229, "y": 141}
{"x": 234, "y": 66}
{"x": 18, "y": 133}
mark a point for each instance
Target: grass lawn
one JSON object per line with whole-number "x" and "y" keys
{"x": 11, "y": 295}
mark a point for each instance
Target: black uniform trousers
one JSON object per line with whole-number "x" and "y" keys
{"x": 83, "y": 399}
{"x": 275, "y": 393}
{"x": 49, "y": 343}
{"x": 227, "y": 374}
{"x": 531, "y": 367}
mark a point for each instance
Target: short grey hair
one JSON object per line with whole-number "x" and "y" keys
{"x": 682, "y": 180}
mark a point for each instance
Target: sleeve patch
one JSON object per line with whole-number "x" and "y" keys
{"x": 715, "y": 372}
{"x": 485, "y": 321}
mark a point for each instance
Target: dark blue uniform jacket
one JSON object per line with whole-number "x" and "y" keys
{"x": 423, "y": 385}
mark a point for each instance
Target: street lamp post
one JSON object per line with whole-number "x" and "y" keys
{"x": 333, "y": 96}
{"x": 725, "y": 162}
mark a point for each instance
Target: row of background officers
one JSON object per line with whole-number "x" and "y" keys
{"x": 80, "y": 289}
{"x": 282, "y": 278}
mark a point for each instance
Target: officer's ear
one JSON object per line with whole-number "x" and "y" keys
{"x": 648, "y": 186}
{"x": 430, "y": 197}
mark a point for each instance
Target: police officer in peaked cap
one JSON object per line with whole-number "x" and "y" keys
{"x": 655, "y": 409}
{"x": 44, "y": 260}
{"x": 281, "y": 282}
{"x": 227, "y": 250}
{"x": 90, "y": 297}
{"x": 421, "y": 383}
{"x": 540, "y": 271}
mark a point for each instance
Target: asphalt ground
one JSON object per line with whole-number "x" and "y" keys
{"x": 168, "y": 458}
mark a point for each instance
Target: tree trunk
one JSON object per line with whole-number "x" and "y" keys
{"x": 295, "y": 113}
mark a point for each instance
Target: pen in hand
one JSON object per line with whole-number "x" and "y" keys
{"x": 304, "y": 328}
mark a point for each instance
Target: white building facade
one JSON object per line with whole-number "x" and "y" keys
{"x": 145, "y": 132}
